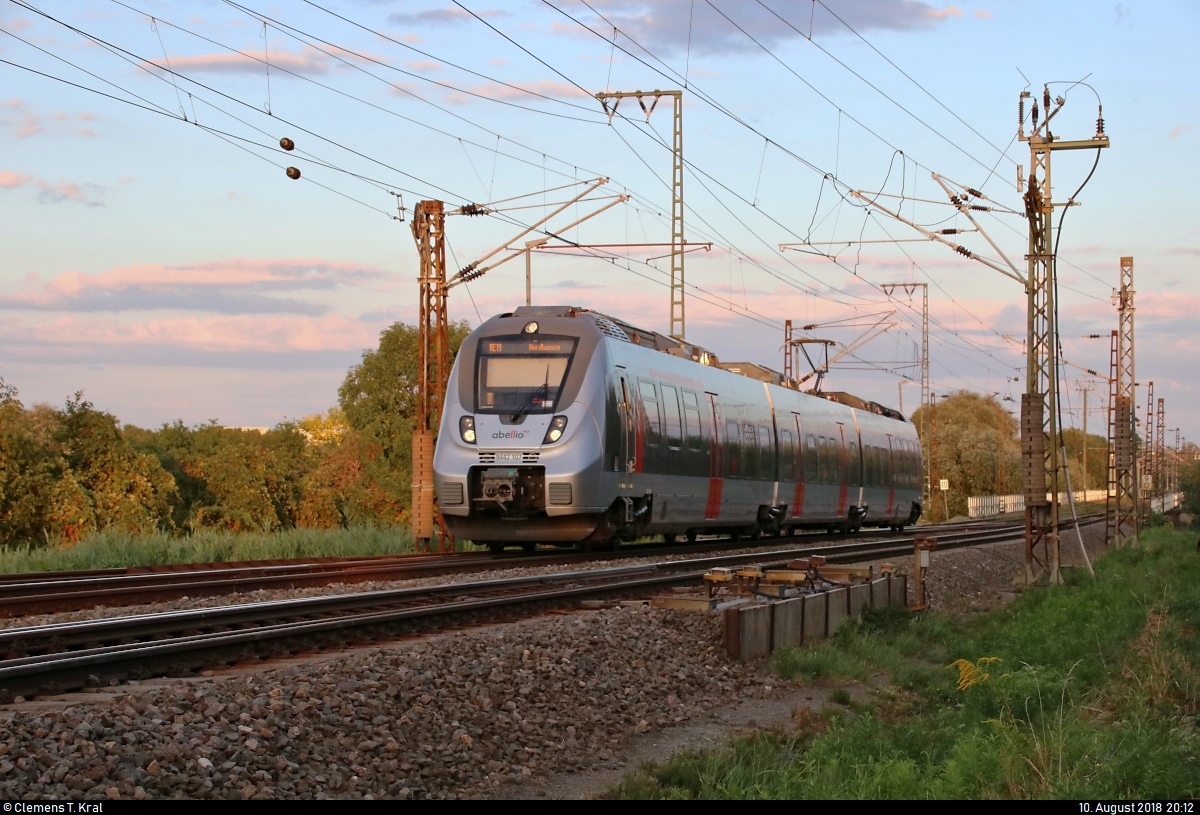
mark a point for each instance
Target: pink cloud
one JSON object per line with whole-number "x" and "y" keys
{"x": 944, "y": 13}
{"x": 524, "y": 91}
{"x": 238, "y": 333}
{"x": 235, "y": 286}
{"x": 424, "y": 66}
{"x": 1179, "y": 130}
{"x": 54, "y": 193}
{"x": 27, "y": 122}
{"x": 314, "y": 63}
{"x": 980, "y": 14}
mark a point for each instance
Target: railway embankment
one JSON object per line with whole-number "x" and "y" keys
{"x": 1086, "y": 691}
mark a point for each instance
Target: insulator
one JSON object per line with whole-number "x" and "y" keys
{"x": 948, "y": 231}
{"x": 964, "y": 251}
{"x": 287, "y": 144}
{"x": 1021, "y": 113}
{"x": 975, "y": 193}
{"x": 473, "y": 209}
{"x": 293, "y": 173}
{"x": 1033, "y": 114}
{"x": 980, "y": 208}
{"x": 1100, "y": 121}
{"x": 469, "y": 273}
{"x": 1046, "y": 99}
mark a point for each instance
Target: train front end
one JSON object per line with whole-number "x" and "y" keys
{"x": 520, "y": 447}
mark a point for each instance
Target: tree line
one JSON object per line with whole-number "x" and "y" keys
{"x": 68, "y": 472}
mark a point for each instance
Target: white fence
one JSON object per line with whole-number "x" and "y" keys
{"x": 984, "y": 505}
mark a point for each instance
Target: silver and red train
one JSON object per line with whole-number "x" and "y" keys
{"x": 564, "y": 426}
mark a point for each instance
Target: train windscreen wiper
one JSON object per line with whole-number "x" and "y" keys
{"x": 543, "y": 390}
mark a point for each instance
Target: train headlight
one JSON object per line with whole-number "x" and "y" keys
{"x": 557, "y": 425}
{"x": 531, "y": 327}
{"x": 466, "y": 429}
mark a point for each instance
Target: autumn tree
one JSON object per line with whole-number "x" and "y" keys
{"x": 379, "y": 402}
{"x": 65, "y": 474}
{"x": 977, "y": 450}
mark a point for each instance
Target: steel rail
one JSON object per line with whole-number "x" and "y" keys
{"x": 181, "y": 645}
{"x": 45, "y": 592}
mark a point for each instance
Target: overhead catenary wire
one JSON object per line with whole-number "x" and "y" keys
{"x": 747, "y": 257}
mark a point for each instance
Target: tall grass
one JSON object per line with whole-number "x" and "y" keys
{"x": 1093, "y": 692}
{"x": 117, "y": 549}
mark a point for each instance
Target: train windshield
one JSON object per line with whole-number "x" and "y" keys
{"x": 521, "y": 374}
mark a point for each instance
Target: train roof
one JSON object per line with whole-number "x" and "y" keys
{"x": 622, "y": 331}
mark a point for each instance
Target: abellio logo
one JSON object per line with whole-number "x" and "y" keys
{"x": 511, "y": 434}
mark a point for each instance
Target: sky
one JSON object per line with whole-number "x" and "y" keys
{"x": 155, "y": 255}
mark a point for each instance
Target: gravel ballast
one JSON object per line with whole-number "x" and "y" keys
{"x": 453, "y": 716}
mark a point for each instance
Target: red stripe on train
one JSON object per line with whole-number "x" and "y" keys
{"x": 713, "y": 509}
{"x": 798, "y": 501}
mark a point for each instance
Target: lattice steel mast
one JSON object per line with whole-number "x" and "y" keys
{"x": 1040, "y": 447}
{"x": 1122, "y": 510}
{"x": 677, "y": 239}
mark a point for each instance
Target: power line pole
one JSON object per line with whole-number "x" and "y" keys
{"x": 1122, "y": 511}
{"x": 1039, "y": 404}
{"x": 677, "y": 240}
{"x": 1084, "y": 388}
{"x": 1160, "y": 461}
{"x": 429, "y": 232}
{"x": 789, "y": 351}
{"x": 909, "y": 288}
{"x": 1147, "y": 485}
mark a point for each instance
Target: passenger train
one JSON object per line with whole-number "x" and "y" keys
{"x": 564, "y": 426}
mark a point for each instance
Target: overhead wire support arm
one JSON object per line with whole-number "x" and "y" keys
{"x": 1009, "y": 271}
{"x": 962, "y": 203}
{"x": 862, "y": 339}
{"x": 474, "y": 269}
{"x": 537, "y": 243}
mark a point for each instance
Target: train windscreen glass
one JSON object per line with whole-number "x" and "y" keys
{"x": 518, "y": 375}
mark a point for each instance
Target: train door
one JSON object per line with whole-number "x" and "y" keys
{"x": 716, "y": 463}
{"x": 843, "y": 471}
{"x": 798, "y": 468}
{"x": 631, "y": 458}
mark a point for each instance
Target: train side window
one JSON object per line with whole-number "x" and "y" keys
{"x": 670, "y": 400}
{"x": 692, "y": 428}
{"x": 811, "y": 459}
{"x": 855, "y": 466}
{"x": 650, "y": 410}
{"x": 750, "y": 453}
{"x": 871, "y": 465}
{"x": 787, "y": 460}
{"x": 822, "y": 460}
{"x": 887, "y": 466}
{"x": 733, "y": 444}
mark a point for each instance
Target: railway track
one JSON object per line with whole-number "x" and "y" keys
{"x": 54, "y": 658}
{"x": 50, "y": 592}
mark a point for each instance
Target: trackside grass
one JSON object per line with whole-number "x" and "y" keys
{"x": 1086, "y": 691}
{"x": 113, "y": 550}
